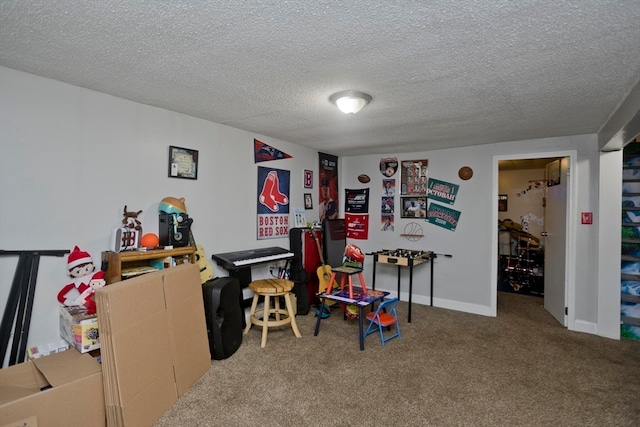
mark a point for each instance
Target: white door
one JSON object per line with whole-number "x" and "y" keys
{"x": 555, "y": 224}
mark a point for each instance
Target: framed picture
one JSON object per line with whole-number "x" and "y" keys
{"x": 502, "y": 202}
{"x": 553, "y": 173}
{"x": 413, "y": 177}
{"x": 308, "y": 179}
{"x": 414, "y": 207}
{"x": 308, "y": 201}
{"x": 183, "y": 163}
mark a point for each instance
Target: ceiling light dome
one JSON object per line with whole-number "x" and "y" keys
{"x": 350, "y": 101}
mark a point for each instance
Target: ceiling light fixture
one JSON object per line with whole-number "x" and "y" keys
{"x": 350, "y": 101}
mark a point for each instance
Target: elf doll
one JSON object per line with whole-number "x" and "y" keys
{"x": 85, "y": 281}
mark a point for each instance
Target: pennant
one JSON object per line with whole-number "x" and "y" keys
{"x": 264, "y": 152}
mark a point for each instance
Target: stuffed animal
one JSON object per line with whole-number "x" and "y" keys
{"x": 131, "y": 220}
{"x": 85, "y": 281}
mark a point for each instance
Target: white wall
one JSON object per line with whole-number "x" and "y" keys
{"x": 464, "y": 282}
{"x": 460, "y": 282}
{"x": 71, "y": 158}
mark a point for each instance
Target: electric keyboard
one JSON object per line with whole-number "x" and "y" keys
{"x": 242, "y": 259}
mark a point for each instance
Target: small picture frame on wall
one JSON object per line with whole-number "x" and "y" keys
{"x": 183, "y": 163}
{"x": 502, "y": 202}
{"x": 308, "y": 201}
{"x": 414, "y": 207}
{"x": 308, "y": 179}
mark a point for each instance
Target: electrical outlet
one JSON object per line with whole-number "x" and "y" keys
{"x": 273, "y": 270}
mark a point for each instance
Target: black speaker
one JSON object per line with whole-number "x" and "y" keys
{"x": 174, "y": 229}
{"x": 224, "y": 316}
{"x": 165, "y": 229}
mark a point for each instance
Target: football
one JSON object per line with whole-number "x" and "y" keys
{"x": 364, "y": 178}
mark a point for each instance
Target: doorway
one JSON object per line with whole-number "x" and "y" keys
{"x": 530, "y": 238}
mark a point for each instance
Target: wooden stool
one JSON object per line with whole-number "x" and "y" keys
{"x": 269, "y": 288}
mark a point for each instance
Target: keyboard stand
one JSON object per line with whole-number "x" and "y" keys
{"x": 16, "y": 318}
{"x": 243, "y": 272}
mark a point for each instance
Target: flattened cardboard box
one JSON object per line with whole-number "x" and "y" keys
{"x": 76, "y": 396}
{"x": 188, "y": 335}
{"x": 154, "y": 342}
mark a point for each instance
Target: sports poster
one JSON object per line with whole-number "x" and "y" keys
{"x": 413, "y": 177}
{"x": 357, "y": 226}
{"x": 442, "y": 191}
{"x": 357, "y": 201}
{"x": 273, "y": 203}
{"x": 387, "y": 204}
{"x": 328, "y": 200}
{"x": 388, "y": 166}
{"x": 356, "y": 215}
{"x": 443, "y": 216}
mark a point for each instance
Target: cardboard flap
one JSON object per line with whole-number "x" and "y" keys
{"x": 17, "y": 381}
{"x": 9, "y": 393}
{"x": 67, "y": 366}
{"x": 184, "y": 282}
{"x": 124, "y": 303}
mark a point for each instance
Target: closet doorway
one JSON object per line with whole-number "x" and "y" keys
{"x": 532, "y": 229}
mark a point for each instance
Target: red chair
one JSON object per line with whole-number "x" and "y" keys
{"x": 385, "y": 316}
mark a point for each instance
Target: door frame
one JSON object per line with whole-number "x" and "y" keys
{"x": 571, "y": 221}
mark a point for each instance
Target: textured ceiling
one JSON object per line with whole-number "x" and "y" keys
{"x": 441, "y": 73}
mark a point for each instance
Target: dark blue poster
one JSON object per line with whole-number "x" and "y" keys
{"x": 273, "y": 203}
{"x": 357, "y": 201}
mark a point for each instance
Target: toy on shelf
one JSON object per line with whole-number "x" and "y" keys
{"x": 85, "y": 281}
{"x": 131, "y": 220}
{"x": 127, "y": 237}
{"x": 150, "y": 241}
{"x": 175, "y": 230}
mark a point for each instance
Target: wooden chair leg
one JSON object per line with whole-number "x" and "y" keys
{"x": 362, "y": 284}
{"x": 277, "y": 310}
{"x": 265, "y": 321}
{"x": 294, "y": 325}
{"x": 252, "y": 313}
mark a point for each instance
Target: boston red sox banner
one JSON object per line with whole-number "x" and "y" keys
{"x": 273, "y": 203}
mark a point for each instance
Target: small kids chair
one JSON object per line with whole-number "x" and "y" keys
{"x": 384, "y": 316}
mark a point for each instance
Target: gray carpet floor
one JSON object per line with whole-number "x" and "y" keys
{"x": 521, "y": 368}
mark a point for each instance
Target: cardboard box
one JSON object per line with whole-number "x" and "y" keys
{"x": 154, "y": 343}
{"x": 73, "y": 392}
{"x": 79, "y": 328}
{"x": 38, "y": 351}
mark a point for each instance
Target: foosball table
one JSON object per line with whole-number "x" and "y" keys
{"x": 404, "y": 258}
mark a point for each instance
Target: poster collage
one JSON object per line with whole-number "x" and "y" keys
{"x": 407, "y": 179}
{"x": 415, "y": 187}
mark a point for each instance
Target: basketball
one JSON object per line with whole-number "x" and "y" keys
{"x": 465, "y": 173}
{"x": 364, "y": 178}
{"x": 149, "y": 240}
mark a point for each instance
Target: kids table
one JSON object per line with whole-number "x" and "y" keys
{"x": 357, "y": 298}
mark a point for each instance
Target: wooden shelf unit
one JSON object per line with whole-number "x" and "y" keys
{"x": 114, "y": 262}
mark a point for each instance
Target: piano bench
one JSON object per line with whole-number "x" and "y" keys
{"x": 272, "y": 288}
